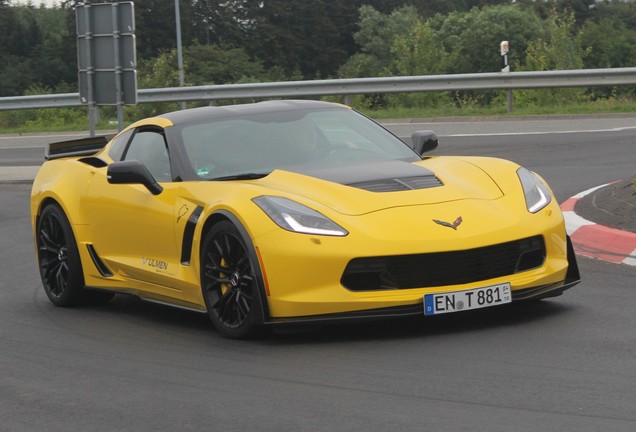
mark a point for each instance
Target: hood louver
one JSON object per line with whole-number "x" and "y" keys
{"x": 398, "y": 184}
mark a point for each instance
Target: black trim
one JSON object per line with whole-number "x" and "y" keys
{"x": 543, "y": 291}
{"x": 573, "y": 275}
{"x": 436, "y": 269}
{"x": 572, "y": 278}
{"x": 94, "y": 162}
{"x": 78, "y": 147}
{"x": 98, "y": 263}
{"x": 163, "y": 301}
{"x": 361, "y": 174}
{"x": 188, "y": 235}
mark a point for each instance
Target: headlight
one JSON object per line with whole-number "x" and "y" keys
{"x": 296, "y": 217}
{"x": 537, "y": 194}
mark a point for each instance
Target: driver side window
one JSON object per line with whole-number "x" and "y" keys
{"x": 149, "y": 148}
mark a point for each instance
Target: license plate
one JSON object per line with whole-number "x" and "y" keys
{"x": 457, "y": 301}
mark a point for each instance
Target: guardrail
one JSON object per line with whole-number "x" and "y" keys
{"x": 345, "y": 87}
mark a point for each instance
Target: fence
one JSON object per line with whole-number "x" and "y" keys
{"x": 349, "y": 87}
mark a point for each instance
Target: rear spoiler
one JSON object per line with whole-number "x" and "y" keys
{"x": 78, "y": 147}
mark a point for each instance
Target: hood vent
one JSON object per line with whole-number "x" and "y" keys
{"x": 399, "y": 184}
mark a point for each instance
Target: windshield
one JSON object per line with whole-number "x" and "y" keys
{"x": 256, "y": 144}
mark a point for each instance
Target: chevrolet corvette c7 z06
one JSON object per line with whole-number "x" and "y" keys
{"x": 292, "y": 211}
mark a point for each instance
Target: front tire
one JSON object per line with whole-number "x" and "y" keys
{"x": 229, "y": 282}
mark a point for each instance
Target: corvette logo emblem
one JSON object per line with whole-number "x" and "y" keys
{"x": 453, "y": 225}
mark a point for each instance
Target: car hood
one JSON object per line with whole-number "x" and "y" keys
{"x": 361, "y": 188}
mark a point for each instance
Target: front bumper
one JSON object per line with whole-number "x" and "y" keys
{"x": 554, "y": 289}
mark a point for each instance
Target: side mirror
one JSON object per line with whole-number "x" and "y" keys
{"x": 132, "y": 172}
{"x": 424, "y": 141}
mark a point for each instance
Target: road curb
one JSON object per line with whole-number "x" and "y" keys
{"x": 597, "y": 241}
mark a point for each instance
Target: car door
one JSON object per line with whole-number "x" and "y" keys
{"x": 133, "y": 230}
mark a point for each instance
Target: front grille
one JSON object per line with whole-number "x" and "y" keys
{"x": 399, "y": 184}
{"x": 444, "y": 268}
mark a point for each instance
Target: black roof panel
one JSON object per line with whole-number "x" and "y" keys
{"x": 216, "y": 112}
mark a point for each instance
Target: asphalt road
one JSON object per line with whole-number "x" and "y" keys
{"x": 566, "y": 364}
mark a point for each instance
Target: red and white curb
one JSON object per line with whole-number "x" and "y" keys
{"x": 598, "y": 241}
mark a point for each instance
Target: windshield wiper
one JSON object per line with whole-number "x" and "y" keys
{"x": 242, "y": 176}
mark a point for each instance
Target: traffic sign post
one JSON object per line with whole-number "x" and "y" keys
{"x": 504, "y": 47}
{"x": 106, "y": 57}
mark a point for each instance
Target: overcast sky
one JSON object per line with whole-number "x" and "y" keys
{"x": 37, "y": 3}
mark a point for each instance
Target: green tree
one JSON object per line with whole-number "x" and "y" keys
{"x": 6, "y": 20}
{"x": 37, "y": 48}
{"x": 212, "y": 64}
{"x": 375, "y": 37}
{"x": 378, "y": 31}
{"x": 222, "y": 23}
{"x": 311, "y": 37}
{"x": 418, "y": 52}
{"x": 444, "y": 7}
{"x": 385, "y": 6}
{"x": 156, "y": 28}
{"x": 610, "y": 36}
{"x": 473, "y": 37}
{"x": 19, "y": 38}
{"x": 158, "y": 72}
{"x": 582, "y": 9}
{"x": 55, "y": 57}
{"x": 560, "y": 49}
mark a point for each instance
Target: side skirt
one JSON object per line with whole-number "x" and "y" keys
{"x": 165, "y": 301}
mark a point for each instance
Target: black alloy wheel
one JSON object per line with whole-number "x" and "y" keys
{"x": 59, "y": 261}
{"x": 58, "y": 258}
{"x": 229, "y": 282}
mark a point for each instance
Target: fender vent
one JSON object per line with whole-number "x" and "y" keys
{"x": 99, "y": 264}
{"x": 188, "y": 235}
{"x": 94, "y": 162}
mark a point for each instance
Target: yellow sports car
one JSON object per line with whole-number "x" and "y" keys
{"x": 291, "y": 211}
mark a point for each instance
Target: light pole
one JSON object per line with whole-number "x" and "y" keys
{"x": 177, "y": 15}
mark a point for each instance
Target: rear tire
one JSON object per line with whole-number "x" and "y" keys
{"x": 59, "y": 261}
